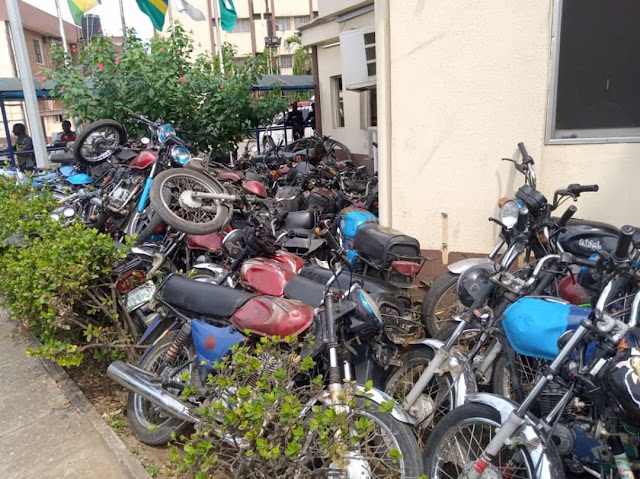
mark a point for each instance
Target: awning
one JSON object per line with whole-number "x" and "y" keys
{"x": 285, "y": 82}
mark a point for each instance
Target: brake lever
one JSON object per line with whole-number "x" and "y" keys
{"x": 498, "y": 222}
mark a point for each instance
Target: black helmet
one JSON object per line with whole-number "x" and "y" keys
{"x": 259, "y": 241}
{"x": 621, "y": 379}
{"x": 472, "y": 281}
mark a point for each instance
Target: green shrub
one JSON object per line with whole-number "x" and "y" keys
{"x": 56, "y": 283}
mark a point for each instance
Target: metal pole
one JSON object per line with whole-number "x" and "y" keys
{"x": 61, "y": 23}
{"x": 26, "y": 76}
{"x": 124, "y": 25}
{"x": 216, "y": 14}
{"x": 7, "y": 132}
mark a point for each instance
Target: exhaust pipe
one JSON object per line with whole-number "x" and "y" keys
{"x": 137, "y": 381}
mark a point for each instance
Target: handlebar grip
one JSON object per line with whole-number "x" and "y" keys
{"x": 566, "y": 216}
{"x": 624, "y": 242}
{"x": 526, "y": 159}
{"x": 577, "y": 189}
{"x": 589, "y": 263}
{"x": 330, "y": 239}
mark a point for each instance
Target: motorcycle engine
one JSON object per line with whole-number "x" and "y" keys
{"x": 122, "y": 193}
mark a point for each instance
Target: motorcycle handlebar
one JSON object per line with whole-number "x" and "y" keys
{"x": 566, "y": 216}
{"x": 526, "y": 159}
{"x": 577, "y": 189}
{"x": 625, "y": 240}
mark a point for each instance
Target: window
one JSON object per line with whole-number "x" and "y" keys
{"x": 594, "y": 95}
{"x": 337, "y": 101}
{"x": 315, "y": 14}
{"x": 38, "y": 50}
{"x": 368, "y": 109}
{"x": 373, "y": 107}
{"x": 286, "y": 61}
{"x": 370, "y": 52}
{"x": 300, "y": 20}
{"x": 241, "y": 26}
{"x": 283, "y": 24}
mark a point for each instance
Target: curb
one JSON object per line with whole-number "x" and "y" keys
{"x": 129, "y": 463}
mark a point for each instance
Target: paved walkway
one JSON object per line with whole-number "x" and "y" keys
{"x": 48, "y": 429}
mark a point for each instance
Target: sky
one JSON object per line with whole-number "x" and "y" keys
{"x": 109, "y": 12}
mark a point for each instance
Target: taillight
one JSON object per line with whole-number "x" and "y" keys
{"x": 406, "y": 268}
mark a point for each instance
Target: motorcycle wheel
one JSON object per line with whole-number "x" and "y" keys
{"x": 150, "y": 424}
{"x": 96, "y": 143}
{"x": 201, "y": 217}
{"x": 267, "y": 143}
{"x": 332, "y": 147}
{"x": 378, "y": 448}
{"x": 459, "y": 439}
{"x": 434, "y": 402}
{"x": 528, "y": 369}
{"x": 143, "y": 224}
{"x": 440, "y": 303}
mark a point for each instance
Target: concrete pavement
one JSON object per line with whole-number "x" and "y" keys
{"x": 49, "y": 429}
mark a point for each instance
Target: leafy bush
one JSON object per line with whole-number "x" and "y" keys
{"x": 162, "y": 80}
{"x": 264, "y": 404}
{"x": 54, "y": 278}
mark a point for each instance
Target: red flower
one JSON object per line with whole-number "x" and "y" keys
{"x": 221, "y": 86}
{"x": 178, "y": 52}
{"x": 74, "y": 47}
{"x": 161, "y": 49}
{"x": 100, "y": 66}
{"x": 117, "y": 60}
{"x": 182, "y": 79}
{"x": 42, "y": 79}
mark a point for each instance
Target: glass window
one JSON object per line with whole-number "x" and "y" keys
{"x": 338, "y": 101}
{"x": 241, "y": 26}
{"x": 283, "y": 24}
{"x": 300, "y": 20}
{"x": 286, "y": 61}
{"x": 594, "y": 96}
{"x": 38, "y": 50}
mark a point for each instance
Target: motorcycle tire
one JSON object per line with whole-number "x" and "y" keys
{"x": 438, "y": 393}
{"x": 86, "y": 142}
{"x": 331, "y": 145}
{"x": 146, "y": 429}
{"x": 434, "y": 315}
{"x": 460, "y": 424}
{"x": 165, "y": 199}
{"x": 144, "y": 225}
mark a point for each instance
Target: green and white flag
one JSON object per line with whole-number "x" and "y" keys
{"x": 228, "y": 15}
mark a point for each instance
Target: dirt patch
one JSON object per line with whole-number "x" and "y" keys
{"x": 111, "y": 400}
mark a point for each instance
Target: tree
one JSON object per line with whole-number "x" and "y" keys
{"x": 302, "y": 64}
{"x": 162, "y": 80}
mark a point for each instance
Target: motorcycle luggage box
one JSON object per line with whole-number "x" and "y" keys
{"x": 381, "y": 246}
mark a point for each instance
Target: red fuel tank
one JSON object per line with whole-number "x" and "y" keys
{"x": 144, "y": 159}
{"x": 255, "y": 187}
{"x": 570, "y": 290}
{"x": 265, "y": 276}
{"x": 273, "y": 316}
{"x": 234, "y": 176}
{"x": 289, "y": 260}
{"x": 211, "y": 242}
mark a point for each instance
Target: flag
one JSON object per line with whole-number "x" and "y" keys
{"x": 228, "y": 15}
{"x": 80, "y": 7}
{"x": 185, "y": 7}
{"x": 155, "y": 10}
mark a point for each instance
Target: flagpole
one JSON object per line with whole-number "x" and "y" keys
{"x": 61, "y": 23}
{"x": 26, "y": 77}
{"x": 218, "y": 18}
{"x": 124, "y": 25}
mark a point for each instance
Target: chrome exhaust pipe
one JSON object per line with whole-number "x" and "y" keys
{"x": 137, "y": 381}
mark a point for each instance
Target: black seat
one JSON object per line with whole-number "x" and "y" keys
{"x": 305, "y": 290}
{"x": 201, "y": 298}
{"x": 62, "y": 157}
{"x": 269, "y": 159}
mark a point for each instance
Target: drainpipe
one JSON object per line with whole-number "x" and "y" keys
{"x": 383, "y": 77}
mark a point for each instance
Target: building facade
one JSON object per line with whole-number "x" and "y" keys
{"x": 459, "y": 84}
{"x": 257, "y": 20}
{"x": 41, "y": 30}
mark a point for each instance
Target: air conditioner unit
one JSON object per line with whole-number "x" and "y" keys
{"x": 358, "y": 52}
{"x": 372, "y": 134}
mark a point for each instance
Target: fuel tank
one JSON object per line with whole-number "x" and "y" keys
{"x": 144, "y": 160}
{"x": 584, "y": 237}
{"x": 289, "y": 260}
{"x": 273, "y": 316}
{"x": 265, "y": 276}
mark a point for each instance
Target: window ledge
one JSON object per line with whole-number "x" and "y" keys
{"x": 581, "y": 141}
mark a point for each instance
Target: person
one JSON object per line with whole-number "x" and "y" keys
{"x": 294, "y": 120}
{"x": 67, "y": 134}
{"x": 26, "y": 161}
{"x": 311, "y": 118}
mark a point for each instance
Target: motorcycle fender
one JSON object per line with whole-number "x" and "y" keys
{"x": 461, "y": 266}
{"x": 531, "y": 437}
{"x": 376, "y": 395}
{"x": 466, "y": 381}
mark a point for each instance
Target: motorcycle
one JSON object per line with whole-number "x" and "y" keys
{"x": 203, "y": 310}
{"x": 594, "y": 364}
{"x": 580, "y": 237}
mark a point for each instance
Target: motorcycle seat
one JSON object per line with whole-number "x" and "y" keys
{"x": 269, "y": 159}
{"x": 62, "y": 157}
{"x": 305, "y": 290}
{"x": 198, "y": 297}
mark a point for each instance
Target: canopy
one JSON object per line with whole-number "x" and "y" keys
{"x": 285, "y": 82}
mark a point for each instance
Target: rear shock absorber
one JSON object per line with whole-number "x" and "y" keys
{"x": 106, "y": 180}
{"x": 181, "y": 339}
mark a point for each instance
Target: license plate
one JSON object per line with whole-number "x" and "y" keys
{"x": 141, "y": 295}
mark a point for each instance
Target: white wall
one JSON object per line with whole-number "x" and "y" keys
{"x": 6, "y": 68}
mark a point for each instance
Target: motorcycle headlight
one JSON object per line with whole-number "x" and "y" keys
{"x": 164, "y": 132}
{"x": 68, "y": 212}
{"x": 180, "y": 155}
{"x": 509, "y": 213}
{"x": 366, "y": 318}
{"x": 54, "y": 216}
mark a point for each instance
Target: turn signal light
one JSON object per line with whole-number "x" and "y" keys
{"x": 502, "y": 201}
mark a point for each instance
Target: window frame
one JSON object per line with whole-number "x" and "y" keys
{"x": 243, "y": 20}
{"x": 552, "y": 100}
{"x": 37, "y": 49}
{"x": 283, "y": 19}
{"x": 305, "y": 19}
{"x": 289, "y": 58}
{"x": 337, "y": 97}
